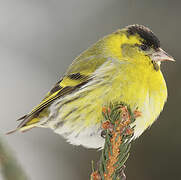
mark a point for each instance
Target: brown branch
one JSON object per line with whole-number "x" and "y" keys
{"x": 116, "y": 150}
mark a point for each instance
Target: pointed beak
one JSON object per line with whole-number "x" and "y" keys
{"x": 161, "y": 55}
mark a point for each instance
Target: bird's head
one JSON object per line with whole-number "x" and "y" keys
{"x": 137, "y": 43}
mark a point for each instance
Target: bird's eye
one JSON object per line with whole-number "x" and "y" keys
{"x": 144, "y": 47}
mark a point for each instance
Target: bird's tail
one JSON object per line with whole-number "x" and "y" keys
{"x": 27, "y": 123}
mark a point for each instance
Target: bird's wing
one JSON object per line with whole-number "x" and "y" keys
{"x": 79, "y": 73}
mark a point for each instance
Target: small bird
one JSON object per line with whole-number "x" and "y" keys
{"x": 123, "y": 66}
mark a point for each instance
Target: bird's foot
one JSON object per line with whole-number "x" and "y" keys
{"x": 103, "y": 133}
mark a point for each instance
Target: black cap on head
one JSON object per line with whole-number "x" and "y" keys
{"x": 145, "y": 33}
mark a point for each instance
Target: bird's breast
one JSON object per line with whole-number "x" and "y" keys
{"x": 143, "y": 89}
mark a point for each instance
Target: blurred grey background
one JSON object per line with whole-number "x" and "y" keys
{"x": 40, "y": 38}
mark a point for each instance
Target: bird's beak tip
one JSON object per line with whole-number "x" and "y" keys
{"x": 168, "y": 59}
{"x": 161, "y": 55}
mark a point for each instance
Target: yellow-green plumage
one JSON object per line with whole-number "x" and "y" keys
{"x": 112, "y": 70}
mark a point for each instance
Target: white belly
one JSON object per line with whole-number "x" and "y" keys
{"x": 88, "y": 137}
